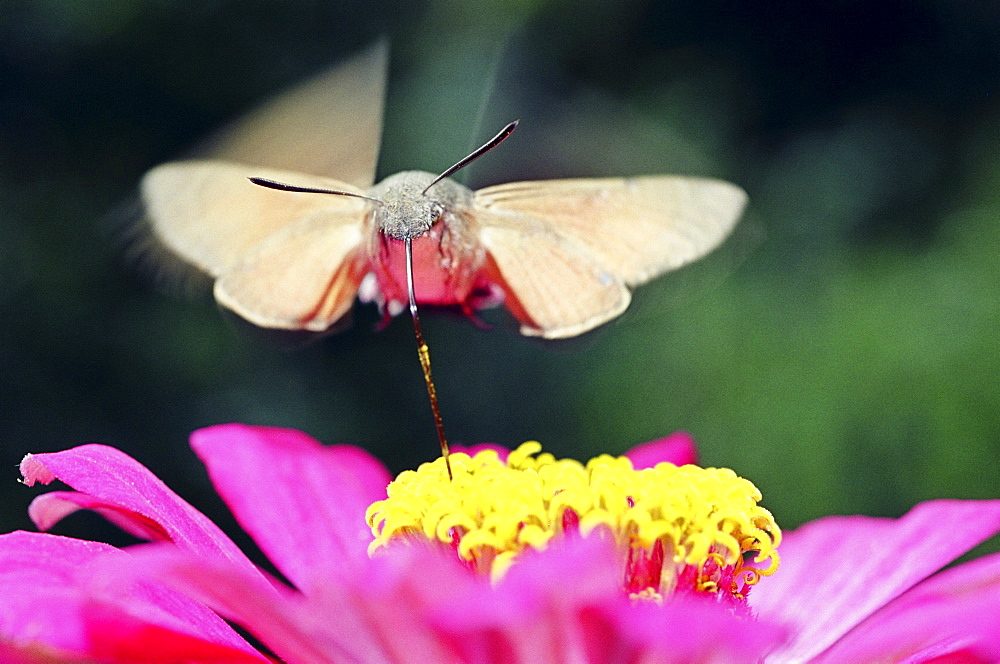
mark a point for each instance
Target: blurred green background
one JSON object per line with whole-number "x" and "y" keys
{"x": 841, "y": 350}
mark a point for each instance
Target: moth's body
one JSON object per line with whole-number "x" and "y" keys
{"x": 560, "y": 254}
{"x": 446, "y": 251}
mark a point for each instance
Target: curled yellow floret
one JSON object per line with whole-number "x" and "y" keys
{"x": 676, "y": 524}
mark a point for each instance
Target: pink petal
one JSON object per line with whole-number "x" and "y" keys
{"x": 837, "y": 571}
{"x": 954, "y": 612}
{"x": 397, "y": 595}
{"x": 541, "y": 611}
{"x": 14, "y": 654}
{"x": 267, "y": 610}
{"x": 372, "y": 611}
{"x": 303, "y": 503}
{"x": 678, "y": 448}
{"x": 538, "y": 612}
{"x": 50, "y": 508}
{"x": 51, "y": 606}
{"x": 689, "y": 630}
{"x": 566, "y": 604}
{"x": 119, "y": 484}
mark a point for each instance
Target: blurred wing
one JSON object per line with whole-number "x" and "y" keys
{"x": 209, "y": 214}
{"x": 554, "y": 286}
{"x": 330, "y": 125}
{"x": 636, "y": 228}
{"x": 304, "y": 277}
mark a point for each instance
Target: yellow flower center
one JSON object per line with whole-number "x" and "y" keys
{"x": 680, "y": 529}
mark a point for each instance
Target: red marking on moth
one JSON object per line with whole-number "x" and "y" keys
{"x": 441, "y": 277}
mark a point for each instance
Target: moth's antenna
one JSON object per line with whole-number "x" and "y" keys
{"x": 281, "y": 186}
{"x": 476, "y": 154}
{"x": 425, "y": 357}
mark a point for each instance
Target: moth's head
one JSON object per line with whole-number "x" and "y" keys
{"x": 408, "y": 208}
{"x": 413, "y": 201}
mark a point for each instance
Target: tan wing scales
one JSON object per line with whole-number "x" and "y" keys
{"x": 637, "y": 228}
{"x": 553, "y": 285}
{"x": 304, "y": 277}
{"x": 211, "y": 215}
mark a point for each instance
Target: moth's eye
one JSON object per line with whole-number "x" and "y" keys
{"x": 436, "y": 211}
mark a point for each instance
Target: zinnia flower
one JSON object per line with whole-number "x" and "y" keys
{"x": 522, "y": 558}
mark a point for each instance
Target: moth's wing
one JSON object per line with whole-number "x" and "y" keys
{"x": 637, "y": 228}
{"x": 330, "y": 125}
{"x": 210, "y": 215}
{"x": 303, "y": 277}
{"x": 553, "y": 285}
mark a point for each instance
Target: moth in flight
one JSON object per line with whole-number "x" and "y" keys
{"x": 561, "y": 255}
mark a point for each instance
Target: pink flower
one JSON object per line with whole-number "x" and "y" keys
{"x": 849, "y": 589}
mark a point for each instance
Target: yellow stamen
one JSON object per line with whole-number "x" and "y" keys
{"x": 669, "y": 521}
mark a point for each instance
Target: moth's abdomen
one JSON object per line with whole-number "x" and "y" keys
{"x": 446, "y": 271}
